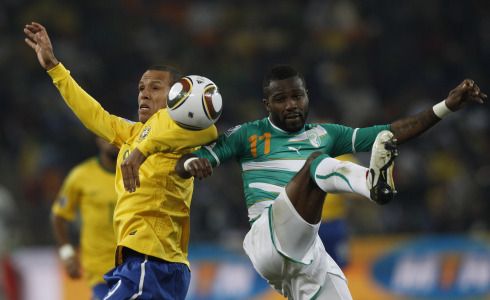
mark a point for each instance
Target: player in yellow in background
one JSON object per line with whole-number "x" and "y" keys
{"x": 88, "y": 190}
{"x": 152, "y": 225}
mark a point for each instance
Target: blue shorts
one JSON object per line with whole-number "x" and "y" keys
{"x": 335, "y": 238}
{"x": 144, "y": 277}
{"x": 99, "y": 291}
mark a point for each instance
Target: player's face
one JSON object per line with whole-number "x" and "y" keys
{"x": 287, "y": 103}
{"x": 153, "y": 92}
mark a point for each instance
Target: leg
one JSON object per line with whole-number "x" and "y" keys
{"x": 319, "y": 175}
{"x": 296, "y": 212}
{"x": 99, "y": 291}
{"x": 334, "y": 288}
{"x": 305, "y": 195}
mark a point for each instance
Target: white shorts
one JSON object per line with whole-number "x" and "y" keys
{"x": 288, "y": 253}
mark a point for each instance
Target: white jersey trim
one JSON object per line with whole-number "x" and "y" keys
{"x": 354, "y": 135}
{"x": 266, "y": 187}
{"x": 292, "y": 165}
{"x": 213, "y": 154}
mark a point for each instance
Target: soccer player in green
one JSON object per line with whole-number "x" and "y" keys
{"x": 287, "y": 168}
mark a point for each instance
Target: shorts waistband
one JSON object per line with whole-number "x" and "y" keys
{"x": 123, "y": 253}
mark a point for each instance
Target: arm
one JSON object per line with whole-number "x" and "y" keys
{"x": 63, "y": 212}
{"x": 112, "y": 128}
{"x": 191, "y": 165}
{"x": 161, "y": 134}
{"x": 68, "y": 256}
{"x": 410, "y": 127}
{"x": 200, "y": 163}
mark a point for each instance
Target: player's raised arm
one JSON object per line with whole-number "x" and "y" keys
{"x": 38, "y": 39}
{"x": 410, "y": 127}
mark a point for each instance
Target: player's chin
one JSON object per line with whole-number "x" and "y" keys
{"x": 143, "y": 116}
{"x": 294, "y": 124}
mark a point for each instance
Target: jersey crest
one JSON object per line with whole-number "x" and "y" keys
{"x": 313, "y": 136}
{"x": 144, "y": 133}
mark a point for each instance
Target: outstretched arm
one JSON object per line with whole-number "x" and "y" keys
{"x": 410, "y": 127}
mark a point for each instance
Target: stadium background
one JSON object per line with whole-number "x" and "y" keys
{"x": 365, "y": 62}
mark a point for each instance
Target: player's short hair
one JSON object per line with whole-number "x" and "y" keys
{"x": 280, "y": 72}
{"x": 175, "y": 73}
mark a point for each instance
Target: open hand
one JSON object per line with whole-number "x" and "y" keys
{"x": 38, "y": 39}
{"x": 466, "y": 91}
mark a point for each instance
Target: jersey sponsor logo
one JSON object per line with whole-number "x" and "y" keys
{"x": 295, "y": 149}
{"x": 144, "y": 133}
{"x": 439, "y": 267}
{"x": 232, "y": 130}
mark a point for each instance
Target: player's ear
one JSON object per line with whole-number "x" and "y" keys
{"x": 266, "y": 104}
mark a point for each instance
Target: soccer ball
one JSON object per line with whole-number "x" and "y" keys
{"x": 194, "y": 102}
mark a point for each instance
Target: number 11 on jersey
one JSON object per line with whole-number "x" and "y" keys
{"x": 253, "y": 143}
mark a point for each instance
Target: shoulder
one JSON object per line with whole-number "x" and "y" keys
{"x": 243, "y": 128}
{"x": 85, "y": 168}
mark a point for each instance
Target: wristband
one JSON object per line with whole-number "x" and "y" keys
{"x": 66, "y": 252}
{"x": 441, "y": 110}
{"x": 186, "y": 163}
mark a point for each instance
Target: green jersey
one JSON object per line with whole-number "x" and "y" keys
{"x": 269, "y": 156}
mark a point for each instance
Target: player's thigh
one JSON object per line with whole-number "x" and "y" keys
{"x": 260, "y": 248}
{"x": 334, "y": 288}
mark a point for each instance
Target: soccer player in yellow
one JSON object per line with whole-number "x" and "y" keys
{"x": 89, "y": 190}
{"x": 152, "y": 223}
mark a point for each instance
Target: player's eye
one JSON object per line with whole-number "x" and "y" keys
{"x": 280, "y": 98}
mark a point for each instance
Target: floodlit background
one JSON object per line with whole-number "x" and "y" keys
{"x": 365, "y": 61}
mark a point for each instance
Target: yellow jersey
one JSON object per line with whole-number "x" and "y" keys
{"x": 154, "y": 220}
{"x": 334, "y": 206}
{"x": 89, "y": 190}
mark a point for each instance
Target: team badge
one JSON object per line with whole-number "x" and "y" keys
{"x": 144, "y": 133}
{"x": 314, "y": 138}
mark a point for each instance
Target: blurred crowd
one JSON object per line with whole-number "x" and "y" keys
{"x": 365, "y": 61}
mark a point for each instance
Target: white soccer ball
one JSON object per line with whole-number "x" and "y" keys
{"x": 194, "y": 102}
